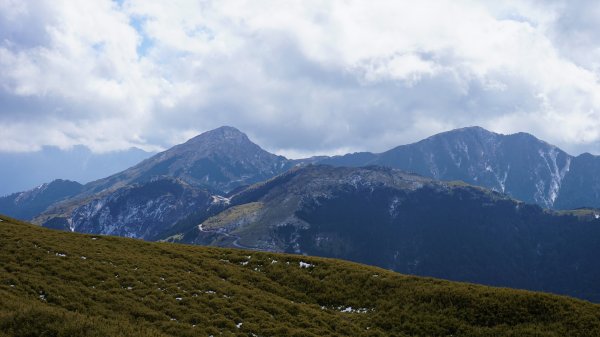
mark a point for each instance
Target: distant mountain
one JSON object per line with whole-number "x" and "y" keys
{"x": 138, "y": 210}
{"x": 581, "y": 186}
{"x": 66, "y": 284}
{"x": 519, "y": 164}
{"x": 155, "y": 195}
{"x": 224, "y": 160}
{"x": 28, "y": 204}
{"x": 413, "y": 225}
{"x": 219, "y": 160}
{"x": 22, "y": 171}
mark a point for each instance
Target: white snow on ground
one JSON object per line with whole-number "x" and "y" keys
{"x": 239, "y": 325}
{"x": 178, "y": 298}
{"x": 305, "y": 265}
{"x": 217, "y": 199}
{"x": 61, "y": 254}
{"x": 353, "y": 310}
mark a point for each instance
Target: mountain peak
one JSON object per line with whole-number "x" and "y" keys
{"x": 470, "y": 130}
{"x": 221, "y": 134}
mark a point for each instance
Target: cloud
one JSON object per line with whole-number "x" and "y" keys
{"x": 300, "y": 77}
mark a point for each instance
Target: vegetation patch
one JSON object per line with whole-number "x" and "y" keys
{"x": 55, "y": 283}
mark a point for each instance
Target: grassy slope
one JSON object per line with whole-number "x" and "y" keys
{"x": 115, "y": 286}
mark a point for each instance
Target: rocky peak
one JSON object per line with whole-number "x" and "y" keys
{"x": 227, "y": 134}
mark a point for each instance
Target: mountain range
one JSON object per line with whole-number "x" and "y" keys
{"x": 519, "y": 165}
{"x": 468, "y": 205}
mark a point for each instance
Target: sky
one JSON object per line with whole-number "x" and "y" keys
{"x": 299, "y": 77}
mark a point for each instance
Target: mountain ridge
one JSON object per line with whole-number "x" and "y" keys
{"x": 411, "y": 224}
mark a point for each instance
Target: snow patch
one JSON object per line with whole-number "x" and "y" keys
{"x": 61, "y": 254}
{"x": 394, "y": 206}
{"x": 71, "y": 224}
{"x": 306, "y": 265}
{"x": 217, "y": 199}
{"x": 557, "y": 174}
{"x": 353, "y": 310}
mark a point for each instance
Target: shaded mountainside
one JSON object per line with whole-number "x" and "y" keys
{"x": 581, "y": 187}
{"x": 413, "y": 225}
{"x": 28, "y": 204}
{"x": 66, "y": 284}
{"x": 137, "y": 211}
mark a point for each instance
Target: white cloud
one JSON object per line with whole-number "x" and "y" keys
{"x": 299, "y": 76}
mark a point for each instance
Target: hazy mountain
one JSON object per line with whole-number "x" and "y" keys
{"x": 28, "y": 204}
{"x": 520, "y": 165}
{"x": 22, "y": 171}
{"x": 414, "y": 225}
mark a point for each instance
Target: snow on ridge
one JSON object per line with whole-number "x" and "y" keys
{"x": 557, "y": 175}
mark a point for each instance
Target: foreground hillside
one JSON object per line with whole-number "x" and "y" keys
{"x": 63, "y": 284}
